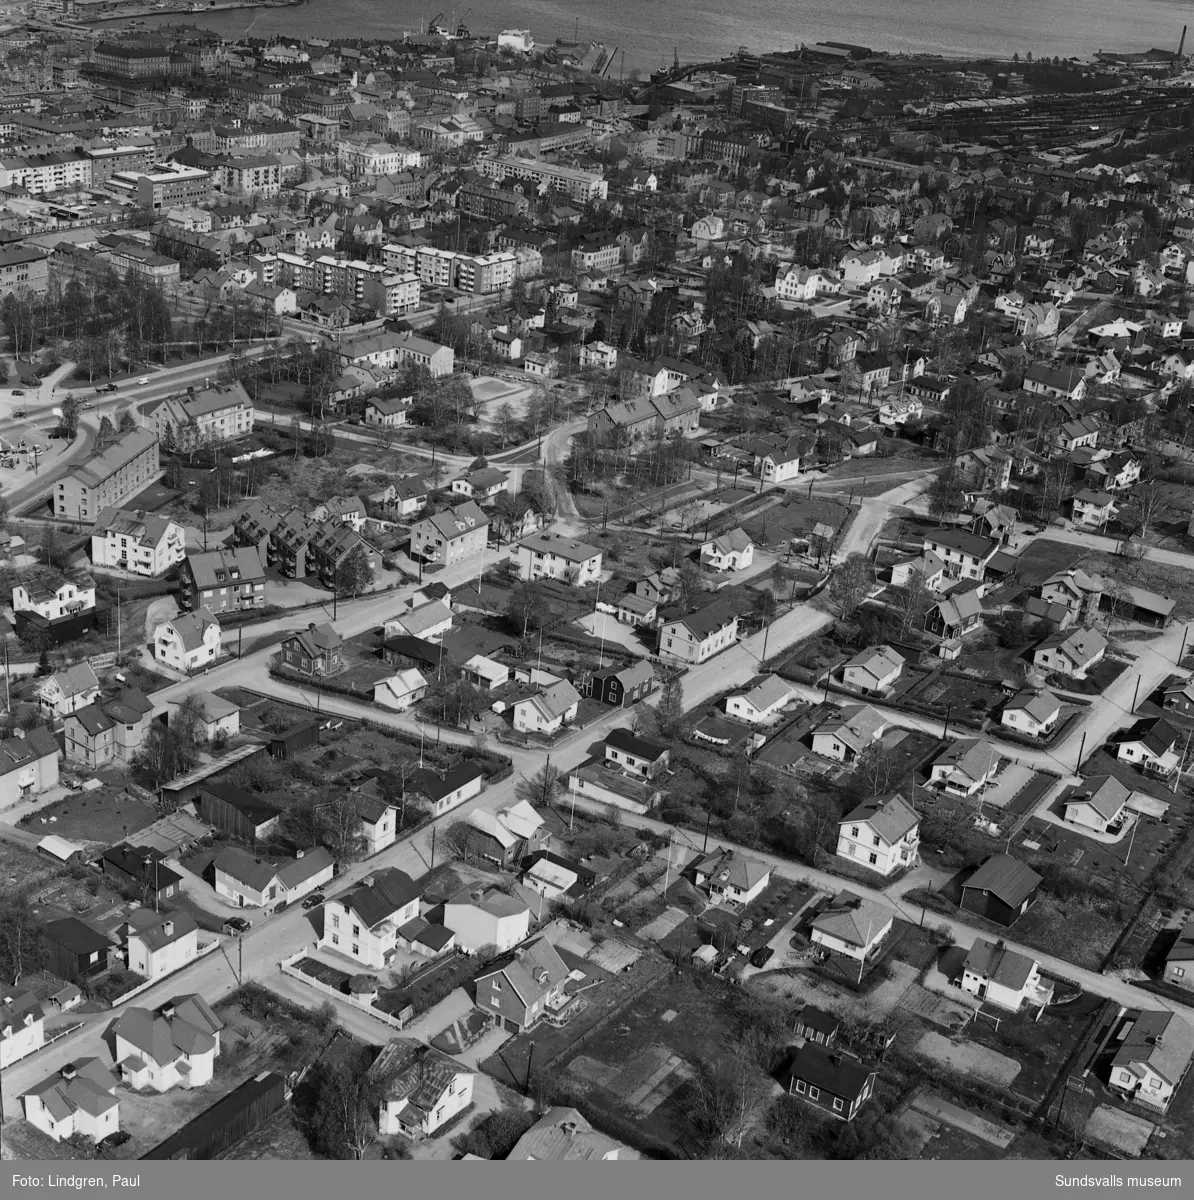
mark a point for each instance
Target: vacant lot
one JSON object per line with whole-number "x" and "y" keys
{"x": 797, "y": 517}
{"x": 1045, "y": 557}
{"x": 102, "y": 817}
{"x": 637, "y": 1063}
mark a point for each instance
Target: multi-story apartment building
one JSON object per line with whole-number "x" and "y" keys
{"x": 581, "y": 186}
{"x": 208, "y": 415}
{"x": 131, "y": 62}
{"x": 166, "y": 186}
{"x": 108, "y": 479}
{"x": 271, "y": 137}
{"x": 140, "y": 542}
{"x": 24, "y": 268}
{"x": 485, "y": 273}
{"x": 260, "y": 175}
{"x": 391, "y": 294}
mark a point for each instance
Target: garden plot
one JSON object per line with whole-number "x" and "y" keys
{"x": 931, "y": 1007}
{"x": 614, "y": 956}
{"x": 654, "y": 1075}
{"x": 1114, "y": 1127}
{"x": 938, "y": 1109}
{"x": 668, "y": 920}
{"x": 967, "y": 1058}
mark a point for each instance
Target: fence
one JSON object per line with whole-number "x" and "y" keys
{"x": 202, "y": 952}
{"x": 287, "y": 968}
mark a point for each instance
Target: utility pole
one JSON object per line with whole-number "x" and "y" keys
{"x": 240, "y": 958}
{"x": 949, "y": 708}
{"x": 432, "y": 867}
{"x": 1136, "y": 693}
{"x": 1081, "y": 752}
{"x": 1182, "y": 653}
{"x": 530, "y": 1059}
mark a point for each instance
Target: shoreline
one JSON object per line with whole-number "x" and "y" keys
{"x": 153, "y": 11}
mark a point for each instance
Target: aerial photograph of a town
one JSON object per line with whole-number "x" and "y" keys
{"x": 596, "y": 585}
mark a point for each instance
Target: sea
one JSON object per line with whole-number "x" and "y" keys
{"x": 648, "y": 33}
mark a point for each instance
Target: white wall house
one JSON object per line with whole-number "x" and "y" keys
{"x": 882, "y": 834}
{"x": 423, "y": 1089}
{"x": 552, "y": 556}
{"x": 189, "y": 642}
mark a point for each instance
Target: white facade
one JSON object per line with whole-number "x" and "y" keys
{"x": 154, "y": 963}
{"x": 171, "y": 647}
{"x": 126, "y": 552}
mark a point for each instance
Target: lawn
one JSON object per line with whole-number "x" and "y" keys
{"x": 796, "y": 517}
{"x": 1162, "y": 578}
{"x": 1045, "y": 557}
{"x": 23, "y": 870}
{"x": 545, "y": 1045}
{"x": 859, "y": 468}
{"x": 636, "y": 1064}
{"x": 106, "y": 816}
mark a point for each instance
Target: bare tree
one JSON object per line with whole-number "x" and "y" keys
{"x": 849, "y": 584}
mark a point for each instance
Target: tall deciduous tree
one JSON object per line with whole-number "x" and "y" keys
{"x": 849, "y": 584}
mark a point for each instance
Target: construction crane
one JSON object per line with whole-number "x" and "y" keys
{"x": 462, "y": 30}
{"x": 433, "y": 24}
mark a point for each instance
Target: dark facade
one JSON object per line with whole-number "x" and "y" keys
{"x": 227, "y": 1121}
{"x": 235, "y": 811}
{"x": 75, "y": 951}
{"x": 609, "y": 688}
{"x": 140, "y": 867}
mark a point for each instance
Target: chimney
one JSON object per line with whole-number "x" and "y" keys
{"x": 299, "y": 853}
{"x": 68, "y": 1071}
{"x": 168, "y": 928}
{"x": 311, "y": 626}
{"x": 1181, "y": 45}
{"x": 18, "y": 732}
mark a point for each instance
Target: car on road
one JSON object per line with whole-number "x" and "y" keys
{"x": 314, "y": 900}
{"x": 108, "y": 387}
{"x": 18, "y": 391}
{"x": 238, "y": 354}
{"x": 143, "y": 381}
{"x": 762, "y": 956}
{"x": 237, "y": 926}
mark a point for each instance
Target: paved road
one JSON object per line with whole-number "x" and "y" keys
{"x": 1110, "y": 545}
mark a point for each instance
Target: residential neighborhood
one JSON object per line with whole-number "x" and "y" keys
{"x": 563, "y": 607}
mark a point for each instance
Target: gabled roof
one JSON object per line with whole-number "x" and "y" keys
{"x": 532, "y": 970}
{"x": 959, "y": 539}
{"x": 219, "y": 568}
{"x": 958, "y": 608}
{"x": 386, "y": 892}
{"x": 1104, "y": 793}
{"x": 706, "y": 621}
{"x": 317, "y": 640}
{"x": 1040, "y": 706}
{"x": 458, "y": 521}
{"x": 83, "y": 1085}
{"x": 736, "y": 541}
{"x": 1080, "y": 646}
{"x": 891, "y": 817}
{"x": 1163, "y": 1040}
{"x": 878, "y": 661}
{"x": 156, "y": 929}
{"x": 250, "y": 805}
{"x": 854, "y": 919}
{"x": 830, "y": 1070}
{"x": 630, "y": 743}
{"x": 974, "y": 758}
{"x": 733, "y": 869}
{"x": 256, "y": 873}
{"x": 995, "y": 962}
{"x": 857, "y": 726}
{"x": 1005, "y": 877}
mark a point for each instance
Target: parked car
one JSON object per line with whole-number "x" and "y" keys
{"x": 106, "y": 1145}
{"x": 237, "y": 926}
{"x": 314, "y": 900}
{"x": 18, "y": 391}
{"x": 762, "y": 956}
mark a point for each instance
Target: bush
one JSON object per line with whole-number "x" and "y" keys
{"x": 496, "y": 1135}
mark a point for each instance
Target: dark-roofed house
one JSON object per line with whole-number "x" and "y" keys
{"x": 729, "y": 875}
{"x": 882, "y": 834}
{"x": 697, "y": 636}
{"x": 837, "y": 1083}
{"x": 955, "y": 616}
{"x": 638, "y": 755}
{"x": 28, "y": 764}
{"x": 1099, "y": 803}
{"x": 1153, "y": 1058}
{"x": 67, "y": 690}
{"x": 316, "y": 650}
{"x": 363, "y": 921}
{"x": 108, "y": 730}
{"x": 449, "y": 536}
{"x": 175, "y": 1046}
{"x": 508, "y": 835}
{"x": 451, "y": 789}
{"x": 75, "y": 950}
{"x": 1149, "y": 608}
{"x": 966, "y": 766}
{"x": 965, "y": 555}
{"x": 79, "y": 1100}
{"x": 1004, "y": 978}
{"x": 421, "y": 1088}
{"x": 140, "y": 869}
{"x": 619, "y": 686}
{"x": 1179, "y": 962}
{"x": 1001, "y": 890}
{"x": 1152, "y": 745}
{"x": 242, "y": 814}
{"x": 816, "y": 1025}
{"x": 523, "y": 986}
{"x": 224, "y": 580}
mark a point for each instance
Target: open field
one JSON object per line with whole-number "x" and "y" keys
{"x": 104, "y": 817}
